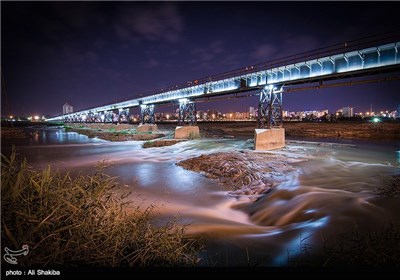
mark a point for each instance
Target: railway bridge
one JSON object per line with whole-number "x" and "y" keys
{"x": 363, "y": 57}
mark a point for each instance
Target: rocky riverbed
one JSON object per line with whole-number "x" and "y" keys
{"x": 245, "y": 173}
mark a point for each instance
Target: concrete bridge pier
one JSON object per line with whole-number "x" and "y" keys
{"x": 146, "y": 127}
{"x": 269, "y": 139}
{"x": 187, "y": 132}
{"x": 270, "y": 133}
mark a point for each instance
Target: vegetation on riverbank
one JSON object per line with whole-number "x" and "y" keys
{"x": 372, "y": 249}
{"x": 111, "y": 134}
{"x": 353, "y": 249}
{"x": 84, "y": 221}
{"x": 293, "y": 130}
{"x": 13, "y": 133}
{"x": 161, "y": 143}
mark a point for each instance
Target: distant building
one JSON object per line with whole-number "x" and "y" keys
{"x": 201, "y": 115}
{"x": 67, "y": 108}
{"x": 212, "y": 114}
{"x": 252, "y": 112}
{"x": 347, "y": 112}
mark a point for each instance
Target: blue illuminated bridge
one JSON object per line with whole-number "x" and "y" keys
{"x": 358, "y": 58}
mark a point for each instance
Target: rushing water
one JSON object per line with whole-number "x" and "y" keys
{"x": 332, "y": 192}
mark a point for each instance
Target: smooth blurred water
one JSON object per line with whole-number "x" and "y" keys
{"x": 331, "y": 193}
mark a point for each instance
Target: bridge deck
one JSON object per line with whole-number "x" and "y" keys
{"x": 340, "y": 61}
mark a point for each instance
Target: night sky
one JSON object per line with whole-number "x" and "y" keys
{"x": 95, "y": 53}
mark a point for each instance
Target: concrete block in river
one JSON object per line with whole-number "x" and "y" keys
{"x": 147, "y": 127}
{"x": 269, "y": 139}
{"x": 187, "y": 132}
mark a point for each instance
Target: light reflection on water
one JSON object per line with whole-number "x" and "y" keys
{"x": 333, "y": 191}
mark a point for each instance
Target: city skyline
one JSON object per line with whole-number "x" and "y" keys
{"x": 93, "y": 53}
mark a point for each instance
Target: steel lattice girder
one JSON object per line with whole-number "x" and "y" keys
{"x": 187, "y": 113}
{"x": 147, "y": 114}
{"x": 108, "y": 117}
{"x": 123, "y": 115}
{"x": 270, "y": 108}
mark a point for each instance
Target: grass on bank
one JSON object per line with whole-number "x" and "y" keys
{"x": 82, "y": 221}
{"x": 377, "y": 249}
{"x": 373, "y": 249}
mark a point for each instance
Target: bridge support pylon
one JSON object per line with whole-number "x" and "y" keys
{"x": 188, "y": 116}
{"x": 187, "y": 112}
{"x": 123, "y": 116}
{"x": 270, "y": 133}
{"x": 147, "y": 119}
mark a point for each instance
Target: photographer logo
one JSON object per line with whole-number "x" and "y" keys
{"x": 11, "y": 254}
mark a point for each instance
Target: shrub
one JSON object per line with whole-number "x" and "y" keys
{"x": 149, "y": 144}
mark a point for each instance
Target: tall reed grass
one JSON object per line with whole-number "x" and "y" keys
{"x": 83, "y": 221}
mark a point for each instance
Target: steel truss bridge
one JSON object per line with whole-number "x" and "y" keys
{"x": 358, "y": 58}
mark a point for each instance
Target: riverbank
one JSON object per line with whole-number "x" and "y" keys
{"x": 338, "y": 130}
{"x": 13, "y": 133}
{"x": 245, "y": 129}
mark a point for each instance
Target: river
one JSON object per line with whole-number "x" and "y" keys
{"x": 332, "y": 192}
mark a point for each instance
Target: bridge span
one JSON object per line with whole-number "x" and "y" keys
{"x": 356, "y": 58}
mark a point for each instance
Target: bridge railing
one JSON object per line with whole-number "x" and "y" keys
{"x": 349, "y": 46}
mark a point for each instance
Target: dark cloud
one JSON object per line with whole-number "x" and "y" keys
{"x": 264, "y": 52}
{"x": 300, "y": 43}
{"x": 77, "y": 57}
{"x": 215, "y": 54}
{"x": 205, "y": 57}
{"x": 151, "y": 63}
{"x": 160, "y": 22}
